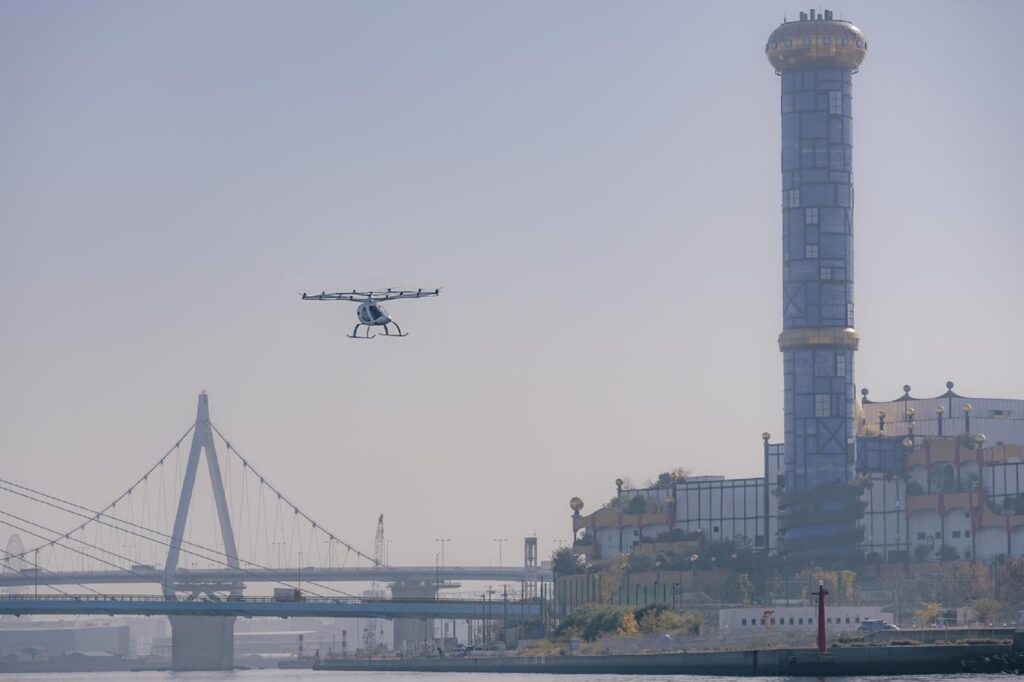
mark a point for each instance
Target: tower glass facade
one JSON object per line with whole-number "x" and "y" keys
{"x": 816, "y": 58}
{"x": 817, "y": 247}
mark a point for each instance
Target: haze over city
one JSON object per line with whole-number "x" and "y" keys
{"x": 595, "y": 187}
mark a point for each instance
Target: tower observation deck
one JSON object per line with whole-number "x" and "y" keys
{"x": 816, "y": 57}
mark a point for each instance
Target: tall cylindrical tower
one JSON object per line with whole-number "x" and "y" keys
{"x": 816, "y": 57}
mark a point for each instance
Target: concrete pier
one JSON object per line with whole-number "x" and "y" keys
{"x": 412, "y": 634}
{"x": 202, "y": 642}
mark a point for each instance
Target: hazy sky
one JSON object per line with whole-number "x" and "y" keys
{"x": 595, "y": 185}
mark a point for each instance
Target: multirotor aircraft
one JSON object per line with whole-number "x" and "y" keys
{"x": 370, "y": 311}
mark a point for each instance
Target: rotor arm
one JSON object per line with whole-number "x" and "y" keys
{"x": 375, "y": 295}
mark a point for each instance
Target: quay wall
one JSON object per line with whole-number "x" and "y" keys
{"x": 880, "y": 660}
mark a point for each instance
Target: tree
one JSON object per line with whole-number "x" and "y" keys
{"x": 640, "y": 563}
{"x": 985, "y": 610}
{"x": 845, "y": 587}
{"x": 680, "y": 474}
{"x": 1013, "y": 585}
{"x": 739, "y": 588}
{"x": 564, "y": 562}
{"x": 593, "y": 620}
{"x": 655, "y": 618}
{"x": 929, "y": 612}
{"x": 638, "y": 505}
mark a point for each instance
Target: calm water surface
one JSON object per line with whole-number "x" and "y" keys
{"x": 310, "y": 676}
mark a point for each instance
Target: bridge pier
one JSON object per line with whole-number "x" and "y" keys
{"x": 202, "y": 642}
{"x": 412, "y": 634}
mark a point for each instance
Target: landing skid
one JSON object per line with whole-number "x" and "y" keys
{"x": 399, "y": 334}
{"x": 387, "y": 331}
{"x": 355, "y": 332}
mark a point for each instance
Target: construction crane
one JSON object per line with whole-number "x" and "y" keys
{"x": 376, "y": 592}
{"x": 378, "y": 543}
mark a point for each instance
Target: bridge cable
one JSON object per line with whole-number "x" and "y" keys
{"x": 97, "y": 519}
{"x": 298, "y": 511}
{"x": 37, "y": 568}
{"x": 73, "y": 549}
{"x": 150, "y": 539}
{"x": 113, "y": 504}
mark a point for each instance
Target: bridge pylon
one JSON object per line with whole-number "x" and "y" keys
{"x": 201, "y": 642}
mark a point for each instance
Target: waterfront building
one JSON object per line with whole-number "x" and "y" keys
{"x": 63, "y": 639}
{"x": 926, "y": 497}
{"x": 910, "y": 479}
{"x": 757, "y": 619}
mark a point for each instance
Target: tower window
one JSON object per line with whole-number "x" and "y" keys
{"x": 835, "y": 102}
{"x": 792, "y": 198}
{"x": 810, "y": 216}
{"x": 846, "y": 41}
{"x": 811, "y": 251}
{"x": 807, "y": 42}
{"x": 827, "y": 40}
{"x": 822, "y": 405}
{"x": 840, "y": 365}
{"x": 825, "y": 273}
{"x": 849, "y": 313}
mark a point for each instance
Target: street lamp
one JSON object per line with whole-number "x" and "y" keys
{"x": 442, "y": 541}
{"x": 767, "y": 509}
{"x": 437, "y": 575}
{"x": 501, "y": 542}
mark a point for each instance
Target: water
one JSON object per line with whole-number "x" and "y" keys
{"x": 310, "y": 676}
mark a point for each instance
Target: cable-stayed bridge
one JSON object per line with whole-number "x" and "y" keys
{"x": 157, "y": 534}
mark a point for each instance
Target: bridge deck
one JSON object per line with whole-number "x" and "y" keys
{"x": 147, "y": 574}
{"x": 249, "y": 607}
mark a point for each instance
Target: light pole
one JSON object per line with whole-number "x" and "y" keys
{"x": 765, "y": 437}
{"x": 442, "y": 541}
{"x": 437, "y": 574}
{"x": 501, "y": 542}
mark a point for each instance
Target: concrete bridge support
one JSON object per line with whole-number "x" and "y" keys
{"x": 202, "y": 642}
{"x": 412, "y": 635}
